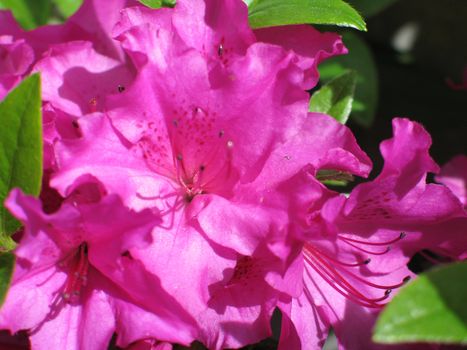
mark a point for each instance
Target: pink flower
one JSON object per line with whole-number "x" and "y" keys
{"x": 219, "y": 30}
{"x": 79, "y": 52}
{"x": 75, "y": 283}
{"x": 357, "y": 248}
{"x": 16, "y": 57}
{"x": 209, "y": 141}
{"x": 454, "y": 175}
{"x": 92, "y": 22}
{"x": 75, "y": 81}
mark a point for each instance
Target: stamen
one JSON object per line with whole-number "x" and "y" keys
{"x": 343, "y": 287}
{"x": 401, "y": 236}
{"x": 77, "y": 273}
{"x": 365, "y": 250}
{"x": 338, "y": 276}
{"x": 358, "y": 263}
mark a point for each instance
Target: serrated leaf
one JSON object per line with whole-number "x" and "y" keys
{"x": 335, "y": 98}
{"x": 7, "y": 263}
{"x": 370, "y": 7}
{"x": 361, "y": 60}
{"x": 67, "y": 7}
{"x": 20, "y": 148}
{"x": 29, "y": 13}
{"x": 430, "y": 309}
{"x": 270, "y": 13}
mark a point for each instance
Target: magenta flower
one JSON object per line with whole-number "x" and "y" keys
{"x": 75, "y": 283}
{"x": 209, "y": 142}
{"x": 219, "y": 30}
{"x": 454, "y": 175}
{"x": 357, "y": 248}
{"x": 16, "y": 57}
{"x": 76, "y": 78}
{"x": 92, "y": 22}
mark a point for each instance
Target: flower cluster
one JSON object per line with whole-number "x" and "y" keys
{"x": 183, "y": 196}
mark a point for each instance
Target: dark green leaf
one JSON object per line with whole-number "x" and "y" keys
{"x": 7, "y": 262}
{"x": 430, "y": 309}
{"x": 29, "y": 13}
{"x": 67, "y": 7}
{"x": 269, "y": 13}
{"x": 20, "y": 148}
{"x": 361, "y": 60}
{"x": 155, "y": 4}
{"x": 335, "y": 98}
{"x": 370, "y": 7}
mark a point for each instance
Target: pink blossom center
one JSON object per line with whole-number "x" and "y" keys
{"x": 77, "y": 265}
{"x": 191, "y": 150}
{"x": 246, "y": 270}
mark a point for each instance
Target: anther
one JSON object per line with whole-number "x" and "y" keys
{"x": 402, "y": 235}
{"x": 220, "y": 50}
{"x": 120, "y": 88}
{"x": 221, "y": 133}
{"x": 179, "y": 157}
{"x": 287, "y": 157}
{"x": 367, "y": 261}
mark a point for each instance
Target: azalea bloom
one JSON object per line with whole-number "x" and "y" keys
{"x": 16, "y": 57}
{"x": 454, "y": 175}
{"x": 75, "y": 283}
{"x": 357, "y": 248}
{"x": 207, "y": 143}
{"x": 82, "y": 48}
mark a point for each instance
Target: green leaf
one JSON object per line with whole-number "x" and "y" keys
{"x": 67, "y": 7}
{"x": 370, "y": 7}
{"x": 430, "y": 309}
{"x": 20, "y": 148}
{"x": 29, "y": 13}
{"x": 7, "y": 262}
{"x": 155, "y": 4}
{"x": 361, "y": 60}
{"x": 269, "y": 13}
{"x": 335, "y": 98}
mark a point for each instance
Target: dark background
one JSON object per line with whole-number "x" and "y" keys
{"x": 413, "y": 83}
